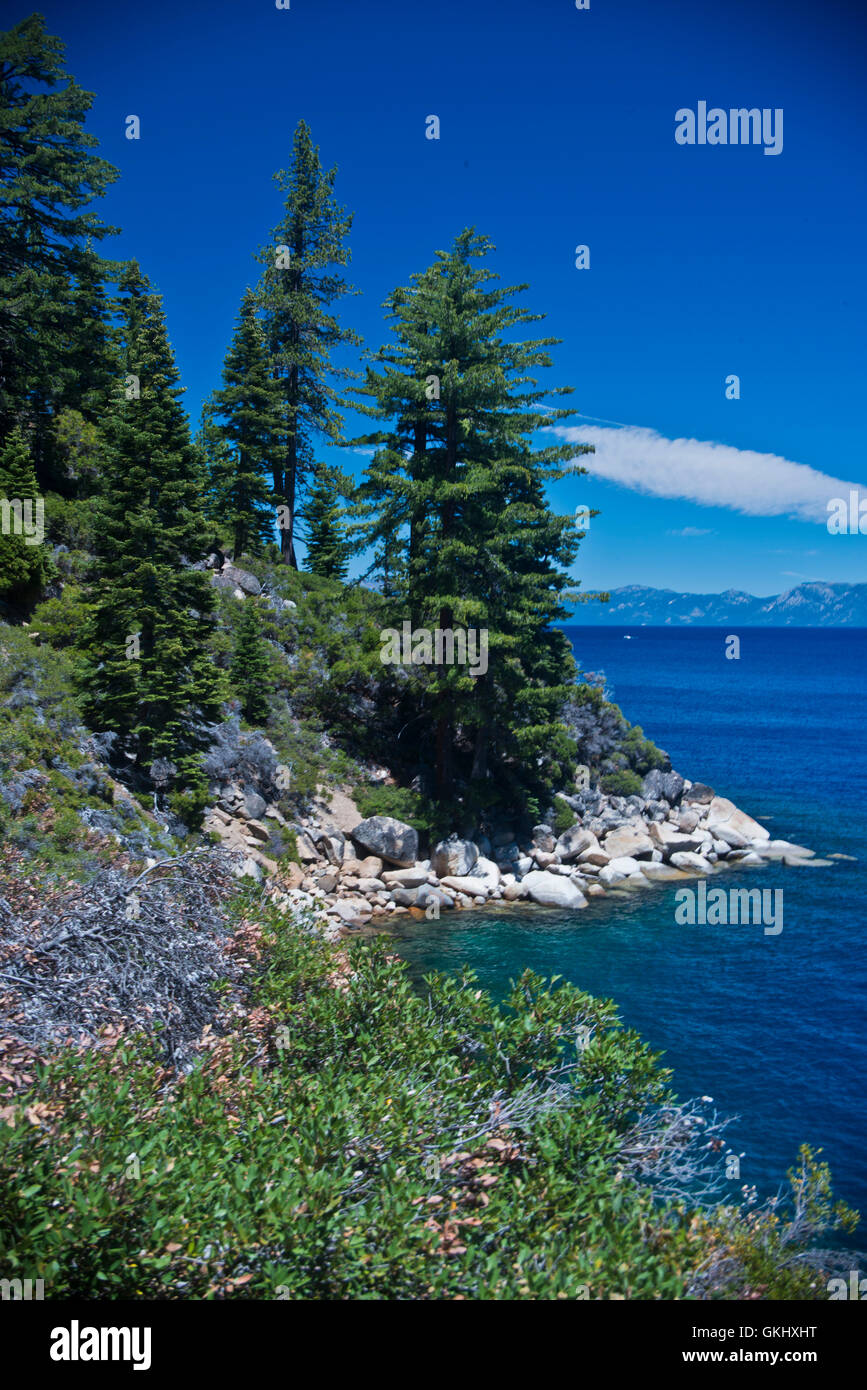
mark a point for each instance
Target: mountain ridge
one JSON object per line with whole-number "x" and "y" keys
{"x": 815, "y": 603}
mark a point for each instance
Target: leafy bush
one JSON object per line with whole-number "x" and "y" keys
{"x": 564, "y": 816}
{"x": 621, "y": 783}
{"x": 352, "y": 1138}
{"x": 400, "y": 802}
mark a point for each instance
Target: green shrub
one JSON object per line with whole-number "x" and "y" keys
{"x": 564, "y": 816}
{"x": 621, "y": 783}
{"x": 400, "y": 802}
{"x": 67, "y": 829}
{"x": 322, "y": 1152}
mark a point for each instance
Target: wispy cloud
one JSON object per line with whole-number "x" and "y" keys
{"x": 714, "y": 475}
{"x": 692, "y": 531}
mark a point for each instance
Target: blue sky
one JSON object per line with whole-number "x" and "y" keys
{"x": 557, "y": 129}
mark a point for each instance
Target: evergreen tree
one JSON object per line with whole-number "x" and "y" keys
{"x": 247, "y": 409}
{"x": 146, "y": 670}
{"x": 482, "y": 548}
{"x": 250, "y": 667}
{"x": 300, "y": 282}
{"x": 49, "y": 276}
{"x": 328, "y": 547}
{"x": 25, "y": 564}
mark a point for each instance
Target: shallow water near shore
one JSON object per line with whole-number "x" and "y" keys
{"x": 771, "y": 1026}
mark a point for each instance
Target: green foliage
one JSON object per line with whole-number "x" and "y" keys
{"x": 241, "y": 435}
{"x": 564, "y": 816}
{"x": 53, "y": 316}
{"x": 25, "y": 564}
{"x": 457, "y": 478}
{"x": 621, "y": 783}
{"x": 250, "y": 664}
{"x": 190, "y": 798}
{"x": 301, "y": 330}
{"x": 145, "y": 670}
{"x": 328, "y": 548}
{"x": 400, "y": 802}
{"x": 330, "y": 1158}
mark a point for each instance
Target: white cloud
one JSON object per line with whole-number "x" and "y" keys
{"x": 714, "y": 475}
{"x": 692, "y": 531}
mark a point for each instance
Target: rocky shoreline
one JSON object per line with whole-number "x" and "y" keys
{"x": 356, "y": 873}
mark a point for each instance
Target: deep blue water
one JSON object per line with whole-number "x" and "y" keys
{"x": 772, "y": 1027}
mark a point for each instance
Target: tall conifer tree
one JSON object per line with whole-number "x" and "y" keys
{"x": 248, "y": 420}
{"x": 301, "y": 281}
{"x": 50, "y": 175}
{"x": 483, "y": 549}
{"x": 25, "y": 564}
{"x": 147, "y": 673}
{"x": 328, "y": 547}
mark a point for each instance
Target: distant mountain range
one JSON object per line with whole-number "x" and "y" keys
{"x": 809, "y": 605}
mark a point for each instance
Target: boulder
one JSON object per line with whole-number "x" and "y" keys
{"x": 699, "y": 793}
{"x": 726, "y": 822}
{"x": 331, "y": 844}
{"x": 369, "y": 867}
{"x": 513, "y": 891}
{"x": 662, "y": 786}
{"x": 240, "y": 579}
{"x": 463, "y": 883}
{"x": 670, "y": 839}
{"x": 543, "y": 859}
{"x": 595, "y": 855}
{"x": 543, "y": 838}
{"x": 552, "y": 890}
{"x": 574, "y": 842}
{"x": 258, "y": 830}
{"x": 388, "y": 839}
{"x": 660, "y": 873}
{"x": 430, "y": 893}
{"x": 780, "y": 849}
{"x": 688, "y": 819}
{"x": 405, "y": 878}
{"x": 370, "y": 885}
{"x": 620, "y": 869}
{"x": 486, "y": 870}
{"x": 327, "y": 882}
{"x": 404, "y": 897}
{"x": 249, "y": 869}
{"x": 454, "y": 857}
{"x": 695, "y": 863}
{"x": 307, "y": 852}
{"x": 632, "y": 841}
{"x": 353, "y": 911}
{"x": 254, "y": 805}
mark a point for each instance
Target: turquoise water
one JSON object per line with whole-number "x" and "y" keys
{"x": 772, "y": 1027}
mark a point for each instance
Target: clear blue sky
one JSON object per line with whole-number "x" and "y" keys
{"x": 557, "y": 129}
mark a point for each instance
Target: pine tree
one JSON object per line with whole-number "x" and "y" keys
{"x": 328, "y": 547}
{"x": 250, "y": 669}
{"x": 146, "y": 670}
{"x": 24, "y": 561}
{"x": 482, "y": 548}
{"x": 300, "y": 282}
{"x": 247, "y": 410}
{"x": 46, "y": 269}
